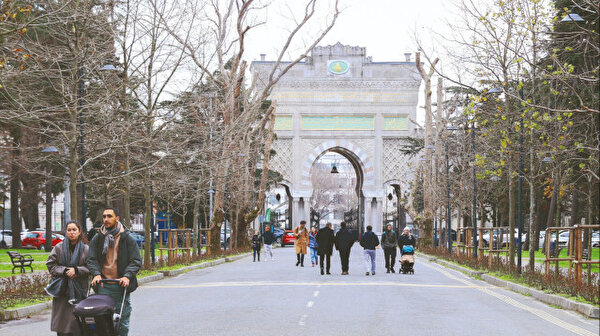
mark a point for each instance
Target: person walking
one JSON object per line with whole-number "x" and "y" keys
{"x": 268, "y": 239}
{"x": 114, "y": 254}
{"x": 312, "y": 245}
{"x": 301, "y": 234}
{"x": 325, "y": 241}
{"x": 389, "y": 239}
{"x": 67, "y": 266}
{"x": 256, "y": 240}
{"x": 343, "y": 243}
{"x": 369, "y": 242}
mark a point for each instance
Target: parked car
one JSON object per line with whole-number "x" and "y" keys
{"x": 37, "y": 239}
{"x": 288, "y": 238}
{"x": 278, "y": 234}
{"x": 7, "y": 238}
{"x": 139, "y": 239}
{"x": 596, "y": 239}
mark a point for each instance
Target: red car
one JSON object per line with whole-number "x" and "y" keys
{"x": 37, "y": 239}
{"x": 288, "y": 238}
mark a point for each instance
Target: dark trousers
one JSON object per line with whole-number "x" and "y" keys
{"x": 256, "y": 253}
{"x": 345, "y": 259}
{"x": 390, "y": 257}
{"x": 325, "y": 258}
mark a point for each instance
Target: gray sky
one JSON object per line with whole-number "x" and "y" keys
{"x": 385, "y": 27}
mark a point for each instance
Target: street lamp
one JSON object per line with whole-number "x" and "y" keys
{"x": 450, "y": 128}
{"x": 520, "y": 195}
{"x": 48, "y": 245}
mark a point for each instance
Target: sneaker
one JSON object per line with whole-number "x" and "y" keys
{"x": 373, "y": 273}
{"x": 388, "y": 271}
{"x": 327, "y": 272}
{"x": 367, "y": 273}
{"x": 391, "y": 269}
{"x": 322, "y": 272}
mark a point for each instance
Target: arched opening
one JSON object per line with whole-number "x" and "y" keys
{"x": 337, "y": 180}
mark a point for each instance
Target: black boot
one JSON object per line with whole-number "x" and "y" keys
{"x": 322, "y": 272}
{"x": 298, "y": 257}
{"x": 301, "y": 260}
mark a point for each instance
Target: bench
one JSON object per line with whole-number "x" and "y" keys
{"x": 20, "y": 261}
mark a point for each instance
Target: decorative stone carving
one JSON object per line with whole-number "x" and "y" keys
{"x": 283, "y": 160}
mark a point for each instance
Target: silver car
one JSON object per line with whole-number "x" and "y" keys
{"x": 6, "y": 237}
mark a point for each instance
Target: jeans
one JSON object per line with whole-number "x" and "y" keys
{"x": 390, "y": 257}
{"x": 325, "y": 258}
{"x": 345, "y": 258}
{"x": 256, "y": 253}
{"x": 116, "y": 292}
{"x": 268, "y": 251}
{"x": 369, "y": 260}
{"x": 313, "y": 255}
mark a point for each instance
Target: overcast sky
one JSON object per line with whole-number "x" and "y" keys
{"x": 385, "y": 27}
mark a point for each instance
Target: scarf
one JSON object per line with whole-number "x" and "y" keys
{"x": 59, "y": 285}
{"x": 109, "y": 237}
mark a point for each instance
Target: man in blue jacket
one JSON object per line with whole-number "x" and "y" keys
{"x": 369, "y": 242}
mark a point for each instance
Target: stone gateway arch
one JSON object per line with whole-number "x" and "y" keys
{"x": 340, "y": 101}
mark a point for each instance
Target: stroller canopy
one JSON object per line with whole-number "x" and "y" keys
{"x": 95, "y": 305}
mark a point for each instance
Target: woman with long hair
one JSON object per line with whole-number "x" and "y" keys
{"x": 69, "y": 284}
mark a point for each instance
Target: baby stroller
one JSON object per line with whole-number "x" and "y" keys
{"x": 96, "y": 314}
{"x": 407, "y": 260}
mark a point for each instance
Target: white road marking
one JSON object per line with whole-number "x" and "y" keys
{"x": 310, "y": 304}
{"x": 302, "y": 320}
{"x": 316, "y": 293}
{"x": 542, "y": 314}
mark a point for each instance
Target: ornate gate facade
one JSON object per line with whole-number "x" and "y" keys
{"x": 339, "y": 100}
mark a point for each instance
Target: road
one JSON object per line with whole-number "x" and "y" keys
{"x": 278, "y": 298}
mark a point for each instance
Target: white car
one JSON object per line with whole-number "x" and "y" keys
{"x": 596, "y": 239}
{"x": 6, "y": 235}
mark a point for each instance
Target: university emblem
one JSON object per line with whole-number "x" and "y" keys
{"x": 338, "y": 67}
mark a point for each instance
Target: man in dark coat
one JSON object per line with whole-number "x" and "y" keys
{"x": 114, "y": 254}
{"x": 389, "y": 239}
{"x": 343, "y": 243}
{"x": 325, "y": 240}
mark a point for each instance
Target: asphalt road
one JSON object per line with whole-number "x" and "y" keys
{"x": 278, "y": 298}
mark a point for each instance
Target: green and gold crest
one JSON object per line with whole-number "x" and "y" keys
{"x": 338, "y": 67}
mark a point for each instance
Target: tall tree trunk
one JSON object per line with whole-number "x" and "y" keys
{"x": 15, "y": 188}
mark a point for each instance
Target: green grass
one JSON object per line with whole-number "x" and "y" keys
{"x": 146, "y": 273}
{"x": 36, "y": 267}
{"x": 18, "y": 303}
{"x": 36, "y": 254}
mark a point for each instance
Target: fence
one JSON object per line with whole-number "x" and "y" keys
{"x": 177, "y": 241}
{"x": 577, "y": 256}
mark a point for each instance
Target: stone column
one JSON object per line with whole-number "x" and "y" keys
{"x": 296, "y": 215}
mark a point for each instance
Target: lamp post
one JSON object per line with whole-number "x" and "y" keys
{"x": 448, "y": 226}
{"x": 474, "y": 189}
{"x": 48, "y": 244}
{"x": 520, "y": 195}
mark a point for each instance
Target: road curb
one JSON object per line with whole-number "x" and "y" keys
{"x": 22, "y": 312}
{"x": 563, "y": 302}
{"x": 552, "y": 299}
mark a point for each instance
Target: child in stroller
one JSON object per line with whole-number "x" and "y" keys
{"x": 407, "y": 259}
